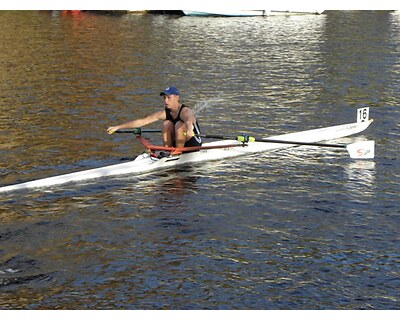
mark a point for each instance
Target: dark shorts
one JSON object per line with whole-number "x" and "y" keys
{"x": 193, "y": 142}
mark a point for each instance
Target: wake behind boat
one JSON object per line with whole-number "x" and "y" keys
{"x": 216, "y": 150}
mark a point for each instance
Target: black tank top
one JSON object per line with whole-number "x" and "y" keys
{"x": 169, "y": 117}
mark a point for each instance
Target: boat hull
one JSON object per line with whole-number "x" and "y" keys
{"x": 146, "y": 163}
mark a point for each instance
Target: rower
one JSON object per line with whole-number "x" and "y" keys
{"x": 180, "y": 127}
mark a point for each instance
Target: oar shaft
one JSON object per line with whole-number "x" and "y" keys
{"x": 240, "y": 138}
{"x": 212, "y": 136}
{"x": 316, "y": 144}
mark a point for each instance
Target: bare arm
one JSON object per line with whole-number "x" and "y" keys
{"x": 189, "y": 120}
{"x": 159, "y": 115}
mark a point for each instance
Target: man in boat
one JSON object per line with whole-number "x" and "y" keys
{"x": 180, "y": 127}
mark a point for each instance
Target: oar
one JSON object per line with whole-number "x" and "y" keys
{"x": 357, "y": 150}
{"x": 137, "y": 131}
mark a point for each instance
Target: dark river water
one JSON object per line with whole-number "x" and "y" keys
{"x": 305, "y": 228}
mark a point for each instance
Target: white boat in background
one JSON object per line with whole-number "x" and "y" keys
{"x": 248, "y": 13}
{"x": 217, "y": 150}
{"x": 226, "y": 13}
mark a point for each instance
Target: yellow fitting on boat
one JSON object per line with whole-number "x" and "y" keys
{"x": 245, "y": 138}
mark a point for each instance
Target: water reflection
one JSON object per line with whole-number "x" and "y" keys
{"x": 167, "y": 190}
{"x": 300, "y": 228}
{"x": 257, "y": 60}
{"x": 358, "y": 77}
{"x": 360, "y": 178}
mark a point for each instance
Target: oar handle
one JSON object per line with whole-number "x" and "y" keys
{"x": 137, "y": 131}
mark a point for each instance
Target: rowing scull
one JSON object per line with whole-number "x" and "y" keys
{"x": 215, "y": 150}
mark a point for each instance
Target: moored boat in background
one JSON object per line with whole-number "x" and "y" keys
{"x": 249, "y": 13}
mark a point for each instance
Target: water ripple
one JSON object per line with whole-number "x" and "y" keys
{"x": 305, "y": 228}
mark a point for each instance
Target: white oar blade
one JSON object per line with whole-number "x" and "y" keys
{"x": 362, "y": 149}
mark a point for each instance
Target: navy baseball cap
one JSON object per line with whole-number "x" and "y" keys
{"x": 170, "y": 90}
